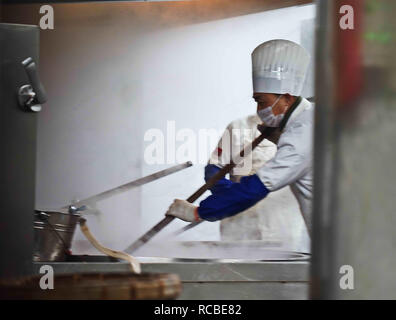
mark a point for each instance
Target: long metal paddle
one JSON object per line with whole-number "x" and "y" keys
{"x": 265, "y": 133}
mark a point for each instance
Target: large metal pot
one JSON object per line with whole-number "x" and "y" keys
{"x": 53, "y": 234}
{"x": 219, "y": 251}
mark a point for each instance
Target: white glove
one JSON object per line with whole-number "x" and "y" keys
{"x": 183, "y": 210}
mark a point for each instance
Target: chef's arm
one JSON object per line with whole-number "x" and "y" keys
{"x": 290, "y": 162}
{"x": 237, "y": 198}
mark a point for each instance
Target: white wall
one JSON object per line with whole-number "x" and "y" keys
{"x": 111, "y": 77}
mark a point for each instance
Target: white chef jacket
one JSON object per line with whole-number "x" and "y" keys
{"x": 292, "y": 163}
{"x": 275, "y": 219}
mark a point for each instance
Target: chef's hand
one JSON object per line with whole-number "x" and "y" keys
{"x": 183, "y": 210}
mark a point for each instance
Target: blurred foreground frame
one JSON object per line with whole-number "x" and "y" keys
{"x": 354, "y": 194}
{"x": 200, "y": 10}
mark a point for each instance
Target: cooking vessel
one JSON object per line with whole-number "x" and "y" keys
{"x": 53, "y": 234}
{"x": 216, "y": 251}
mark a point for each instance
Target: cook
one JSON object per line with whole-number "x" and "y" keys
{"x": 276, "y": 219}
{"x": 255, "y": 223}
{"x": 279, "y": 69}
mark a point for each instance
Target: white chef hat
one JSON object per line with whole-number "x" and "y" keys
{"x": 279, "y": 66}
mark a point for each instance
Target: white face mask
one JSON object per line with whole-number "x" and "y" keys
{"x": 267, "y": 116}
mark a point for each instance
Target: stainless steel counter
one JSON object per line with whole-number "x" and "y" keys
{"x": 214, "y": 279}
